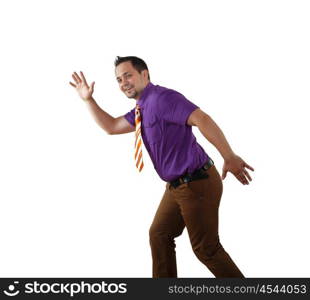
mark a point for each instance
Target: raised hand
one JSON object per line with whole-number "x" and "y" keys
{"x": 236, "y": 165}
{"x": 84, "y": 90}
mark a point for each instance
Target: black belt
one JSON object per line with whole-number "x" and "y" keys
{"x": 197, "y": 174}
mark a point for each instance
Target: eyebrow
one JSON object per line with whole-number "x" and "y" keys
{"x": 121, "y": 75}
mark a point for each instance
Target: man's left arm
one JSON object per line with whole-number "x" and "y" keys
{"x": 212, "y": 132}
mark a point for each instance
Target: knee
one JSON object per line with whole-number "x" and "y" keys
{"x": 207, "y": 249}
{"x": 159, "y": 236}
{"x": 155, "y": 234}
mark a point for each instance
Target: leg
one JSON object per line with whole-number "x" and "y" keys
{"x": 199, "y": 202}
{"x": 167, "y": 224}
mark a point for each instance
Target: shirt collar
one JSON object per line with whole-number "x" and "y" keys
{"x": 145, "y": 93}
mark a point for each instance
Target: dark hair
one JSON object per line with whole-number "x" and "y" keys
{"x": 138, "y": 63}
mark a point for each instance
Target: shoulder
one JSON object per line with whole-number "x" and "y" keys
{"x": 167, "y": 96}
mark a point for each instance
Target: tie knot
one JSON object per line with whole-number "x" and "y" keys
{"x": 138, "y": 112}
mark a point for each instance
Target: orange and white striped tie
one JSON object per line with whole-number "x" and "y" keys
{"x": 138, "y": 142}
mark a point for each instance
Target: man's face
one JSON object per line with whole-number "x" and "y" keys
{"x": 130, "y": 81}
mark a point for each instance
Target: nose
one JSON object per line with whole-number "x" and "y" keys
{"x": 125, "y": 84}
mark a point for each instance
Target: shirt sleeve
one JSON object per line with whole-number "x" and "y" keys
{"x": 130, "y": 117}
{"x": 174, "y": 107}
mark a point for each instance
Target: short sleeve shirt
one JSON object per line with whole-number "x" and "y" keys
{"x": 168, "y": 139}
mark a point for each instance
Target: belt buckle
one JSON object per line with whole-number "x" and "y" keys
{"x": 205, "y": 167}
{"x": 184, "y": 179}
{"x": 208, "y": 164}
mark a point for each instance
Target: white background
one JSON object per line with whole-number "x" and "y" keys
{"x": 69, "y": 202}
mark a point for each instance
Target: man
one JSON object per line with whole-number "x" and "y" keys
{"x": 163, "y": 120}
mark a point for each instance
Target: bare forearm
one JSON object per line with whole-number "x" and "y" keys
{"x": 213, "y": 133}
{"x": 102, "y": 118}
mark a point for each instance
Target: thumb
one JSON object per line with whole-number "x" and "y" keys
{"x": 224, "y": 174}
{"x": 92, "y": 86}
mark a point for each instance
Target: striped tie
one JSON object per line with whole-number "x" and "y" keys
{"x": 138, "y": 142}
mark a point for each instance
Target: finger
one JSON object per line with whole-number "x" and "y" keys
{"x": 249, "y": 167}
{"x": 72, "y": 84}
{"x": 247, "y": 174}
{"x": 77, "y": 77}
{"x": 83, "y": 77}
{"x": 239, "y": 178}
{"x": 224, "y": 174}
{"x": 242, "y": 179}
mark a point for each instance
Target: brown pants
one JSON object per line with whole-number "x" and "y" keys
{"x": 194, "y": 205}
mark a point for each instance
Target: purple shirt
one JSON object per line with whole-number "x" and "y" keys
{"x": 169, "y": 141}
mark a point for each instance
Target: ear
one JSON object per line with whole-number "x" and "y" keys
{"x": 145, "y": 74}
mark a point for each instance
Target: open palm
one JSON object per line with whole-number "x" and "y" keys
{"x": 237, "y": 166}
{"x": 84, "y": 90}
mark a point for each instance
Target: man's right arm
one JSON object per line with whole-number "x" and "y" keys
{"x": 108, "y": 123}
